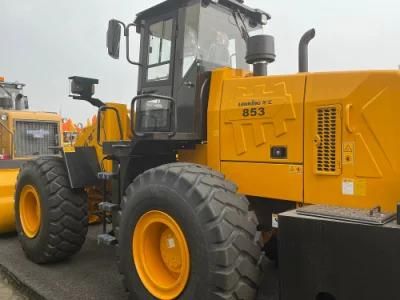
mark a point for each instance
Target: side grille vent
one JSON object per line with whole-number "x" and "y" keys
{"x": 327, "y": 136}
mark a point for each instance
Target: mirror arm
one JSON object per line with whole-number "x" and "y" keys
{"x": 126, "y": 33}
{"x": 93, "y": 101}
{"x": 120, "y": 23}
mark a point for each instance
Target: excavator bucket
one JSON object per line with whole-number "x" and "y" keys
{"x": 8, "y": 178}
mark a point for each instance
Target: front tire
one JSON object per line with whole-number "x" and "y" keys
{"x": 217, "y": 229}
{"x": 51, "y": 218}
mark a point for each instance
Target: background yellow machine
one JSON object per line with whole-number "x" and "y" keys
{"x": 70, "y": 131}
{"x": 23, "y": 134}
{"x": 211, "y": 148}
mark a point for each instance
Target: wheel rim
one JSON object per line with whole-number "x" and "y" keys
{"x": 161, "y": 255}
{"x": 29, "y": 211}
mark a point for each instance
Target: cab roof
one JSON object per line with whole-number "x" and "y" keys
{"x": 171, "y": 5}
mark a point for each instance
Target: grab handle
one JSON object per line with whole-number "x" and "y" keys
{"x": 347, "y": 118}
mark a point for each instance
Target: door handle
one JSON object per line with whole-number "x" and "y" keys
{"x": 188, "y": 84}
{"x": 149, "y": 92}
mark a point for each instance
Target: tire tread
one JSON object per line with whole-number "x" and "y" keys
{"x": 67, "y": 213}
{"x": 229, "y": 226}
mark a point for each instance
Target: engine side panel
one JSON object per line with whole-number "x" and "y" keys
{"x": 267, "y": 180}
{"x": 351, "y": 139}
{"x": 261, "y": 135}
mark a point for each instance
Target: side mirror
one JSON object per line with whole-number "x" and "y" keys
{"x": 113, "y": 38}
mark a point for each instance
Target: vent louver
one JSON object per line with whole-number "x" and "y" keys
{"x": 34, "y": 138}
{"x": 327, "y": 132}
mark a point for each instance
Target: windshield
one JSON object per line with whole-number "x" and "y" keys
{"x": 213, "y": 37}
{"x": 6, "y": 100}
{"x": 4, "y": 93}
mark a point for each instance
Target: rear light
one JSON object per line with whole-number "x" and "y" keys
{"x": 5, "y": 157}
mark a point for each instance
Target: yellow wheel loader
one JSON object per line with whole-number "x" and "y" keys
{"x": 23, "y": 134}
{"x": 211, "y": 149}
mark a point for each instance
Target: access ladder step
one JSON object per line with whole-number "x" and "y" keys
{"x": 106, "y": 239}
{"x": 108, "y": 206}
{"x": 106, "y": 175}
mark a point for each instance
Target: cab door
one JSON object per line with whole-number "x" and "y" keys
{"x": 191, "y": 82}
{"x": 158, "y": 56}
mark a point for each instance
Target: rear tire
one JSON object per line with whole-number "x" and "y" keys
{"x": 220, "y": 232}
{"x": 63, "y": 212}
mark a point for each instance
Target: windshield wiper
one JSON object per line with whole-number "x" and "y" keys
{"x": 242, "y": 27}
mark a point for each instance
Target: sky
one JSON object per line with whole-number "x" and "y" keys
{"x": 43, "y": 42}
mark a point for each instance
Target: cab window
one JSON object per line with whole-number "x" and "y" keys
{"x": 159, "y": 51}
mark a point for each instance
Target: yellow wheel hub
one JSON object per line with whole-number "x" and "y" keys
{"x": 29, "y": 211}
{"x": 161, "y": 255}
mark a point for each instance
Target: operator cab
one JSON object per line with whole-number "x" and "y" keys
{"x": 181, "y": 43}
{"x": 11, "y": 96}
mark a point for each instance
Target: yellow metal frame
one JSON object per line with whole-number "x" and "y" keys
{"x": 8, "y": 178}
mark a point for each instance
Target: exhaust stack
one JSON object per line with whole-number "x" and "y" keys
{"x": 303, "y": 50}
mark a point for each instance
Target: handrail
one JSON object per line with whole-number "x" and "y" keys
{"x": 102, "y": 109}
{"x": 347, "y": 118}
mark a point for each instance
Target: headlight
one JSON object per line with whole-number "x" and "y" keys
{"x": 3, "y": 117}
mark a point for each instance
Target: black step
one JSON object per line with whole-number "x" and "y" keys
{"x": 106, "y": 239}
{"x": 108, "y": 206}
{"x": 106, "y": 175}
